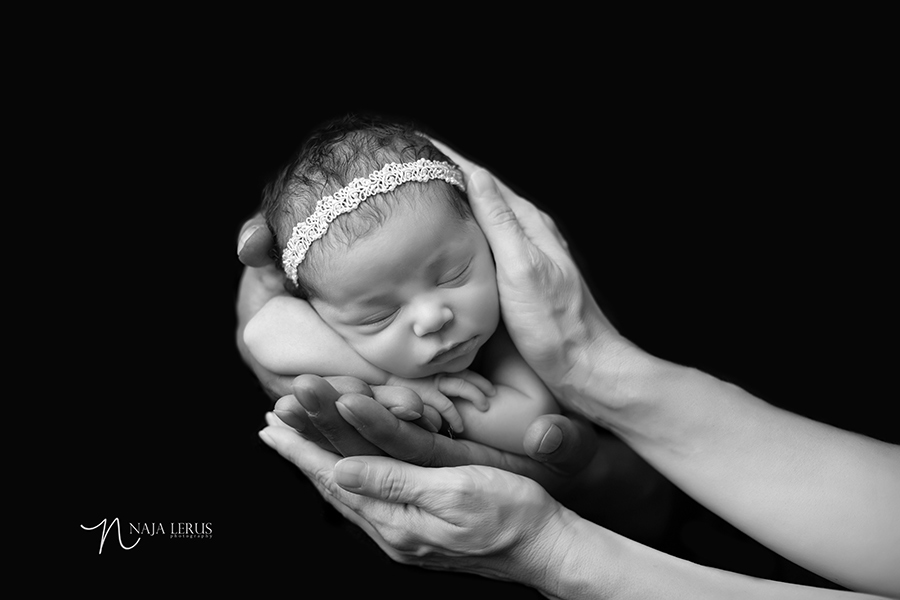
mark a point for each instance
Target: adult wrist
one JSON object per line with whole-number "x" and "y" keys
{"x": 580, "y": 562}
{"x": 542, "y": 558}
{"x": 617, "y": 384}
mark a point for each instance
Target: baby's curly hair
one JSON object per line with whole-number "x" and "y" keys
{"x": 333, "y": 155}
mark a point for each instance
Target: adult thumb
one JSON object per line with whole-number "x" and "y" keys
{"x": 254, "y": 243}
{"x": 565, "y": 444}
{"x": 495, "y": 216}
{"x": 388, "y": 479}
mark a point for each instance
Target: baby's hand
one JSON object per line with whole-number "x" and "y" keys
{"x": 436, "y": 392}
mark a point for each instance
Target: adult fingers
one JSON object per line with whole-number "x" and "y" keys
{"x": 410, "y": 443}
{"x": 318, "y": 398}
{"x": 345, "y": 384}
{"x": 401, "y": 401}
{"x": 496, "y": 218}
{"x": 563, "y": 444}
{"x": 396, "y": 438}
{"x": 513, "y": 226}
{"x": 467, "y": 166}
{"x": 532, "y": 220}
{"x": 311, "y": 459}
{"x": 318, "y": 465}
{"x": 288, "y": 411}
{"x": 255, "y": 242}
{"x": 395, "y": 481}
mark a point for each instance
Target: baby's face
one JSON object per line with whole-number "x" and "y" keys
{"x": 417, "y": 296}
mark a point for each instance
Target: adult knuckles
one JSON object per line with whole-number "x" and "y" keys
{"x": 406, "y": 545}
{"x": 502, "y": 216}
{"x": 391, "y": 483}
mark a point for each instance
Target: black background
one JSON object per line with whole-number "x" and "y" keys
{"x": 729, "y": 215}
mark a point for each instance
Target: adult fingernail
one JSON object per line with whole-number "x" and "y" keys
{"x": 350, "y": 474}
{"x": 265, "y": 437}
{"x": 307, "y": 399}
{"x": 246, "y": 235}
{"x": 481, "y": 181}
{"x": 401, "y": 412}
{"x": 286, "y": 417}
{"x": 348, "y": 415}
{"x": 427, "y": 424}
{"x": 551, "y": 440}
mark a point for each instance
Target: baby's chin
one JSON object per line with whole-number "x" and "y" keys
{"x": 454, "y": 366}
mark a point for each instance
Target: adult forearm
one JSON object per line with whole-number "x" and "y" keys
{"x": 823, "y": 497}
{"x": 597, "y": 563}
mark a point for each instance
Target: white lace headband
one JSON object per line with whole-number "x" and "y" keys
{"x": 348, "y": 198}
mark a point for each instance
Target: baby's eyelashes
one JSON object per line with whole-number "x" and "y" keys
{"x": 379, "y": 319}
{"x": 456, "y": 277}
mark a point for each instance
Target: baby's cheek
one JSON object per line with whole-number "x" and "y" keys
{"x": 367, "y": 349}
{"x": 384, "y": 352}
{"x": 486, "y": 306}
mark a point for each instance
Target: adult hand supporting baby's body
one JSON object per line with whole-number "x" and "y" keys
{"x": 564, "y": 454}
{"x": 547, "y": 307}
{"x": 260, "y": 282}
{"x": 557, "y": 445}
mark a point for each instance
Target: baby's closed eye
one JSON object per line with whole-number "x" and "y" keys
{"x": 380, "y": 319}
{"x": 456, "y": 276}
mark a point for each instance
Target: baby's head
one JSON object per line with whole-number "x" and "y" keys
{"x": 406, "y": 277}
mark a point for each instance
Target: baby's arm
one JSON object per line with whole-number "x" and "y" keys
{"x": 520, "y": 397}
{"x": 289, "y": 338}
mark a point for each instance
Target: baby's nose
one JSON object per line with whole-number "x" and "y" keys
{"x": 432, "y": 319}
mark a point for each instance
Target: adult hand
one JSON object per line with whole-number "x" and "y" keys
{"x": 567, "y": 456}
{"x": 471, "y": 519}
{"x": 558, "y": 447}
{"x": 496, "y": 524}
{"x": 346, "y": 416}
{"x": 260, "y": 282}
{"x": 547, "y": 307}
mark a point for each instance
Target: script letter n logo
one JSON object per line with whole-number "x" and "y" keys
{"x": 105, "y": 531}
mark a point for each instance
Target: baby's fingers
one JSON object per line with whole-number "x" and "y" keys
{"x": 452, "y": 385}
{"x": 478, "y": 381}
{"x": 440, "y": 402}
